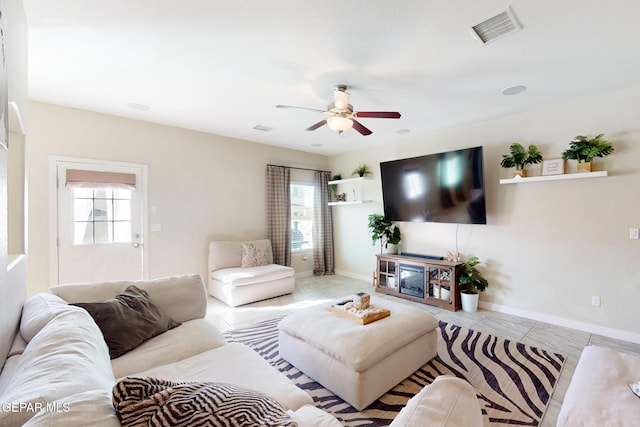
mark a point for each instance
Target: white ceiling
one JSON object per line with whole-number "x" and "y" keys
{"x": 221, "y": 66}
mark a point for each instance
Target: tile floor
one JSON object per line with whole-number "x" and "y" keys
{"x": 314, "y": 290}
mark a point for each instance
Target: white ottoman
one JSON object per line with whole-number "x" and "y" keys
{"x": 357, "y": 362}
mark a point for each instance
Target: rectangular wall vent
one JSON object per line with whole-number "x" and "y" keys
{"x": 495, "y": 27}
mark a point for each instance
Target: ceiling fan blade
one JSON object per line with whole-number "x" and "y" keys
{"x": 360, "y": 128}
{"x": 317, "y": 125}
{"x": 378, "y": 114}
{"x": 299, "y": 108}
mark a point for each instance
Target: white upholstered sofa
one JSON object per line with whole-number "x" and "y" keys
{"x": 59, "y": 370}
{"x": 244, "y": 272}
{"x": 599, "y": 392}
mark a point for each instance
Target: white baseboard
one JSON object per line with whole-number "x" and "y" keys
{"x": 368, "y": 279}
{"x": 303, "y": 274}
{"x": 567, "y": 323}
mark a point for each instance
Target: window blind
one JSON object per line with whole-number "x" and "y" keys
{"x": 77, "y": 178}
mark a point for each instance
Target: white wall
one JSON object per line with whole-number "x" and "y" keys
{"x": 547, "y": 247}
{"x": 205, "y": 187}
{"x": 12, "y": 272}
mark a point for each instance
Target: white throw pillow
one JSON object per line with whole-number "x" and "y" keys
{"x": 448, "y": 401}
{"x": 311, "y": 416}
{"x": 90, "y": 407}
{"x": 256, "y": 253}
{"x": 68, "y": 356}
{"x": 38, "y": 311}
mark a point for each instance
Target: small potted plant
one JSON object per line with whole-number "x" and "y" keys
{"x": 584, "y": 149}
{"x": 333, "y": 188}
{"x": 361, "y": 170}
{"x": 520, "y": 158}
{"x": 383, "y": 230}
{"x": 473, "y": 283}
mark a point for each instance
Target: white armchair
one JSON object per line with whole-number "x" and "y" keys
{"x": 244, "y": 272}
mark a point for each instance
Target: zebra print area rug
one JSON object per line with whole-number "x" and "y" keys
{"x": 513, "y": 381}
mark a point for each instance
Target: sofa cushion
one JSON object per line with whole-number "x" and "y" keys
{"x": 448, "y": 401}
{"x": 128, "y": 319}
{"x": 256, "y": 253}
{"x": 157, "y": 402}
{"x": 192, "y": 337}
{"x": 72, "y": 411}
{"x": 38, "y": 311}
{"x": 238, "y": 364}
{"x": 66, "y": 357}
{"x": 251, "y": 275}
{"x": 181, "y": 297}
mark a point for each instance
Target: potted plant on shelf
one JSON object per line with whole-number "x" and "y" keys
{"x": 473, "y": 283}
{"x": 584, "y": 149}
{"x": 383, "y": 230}
{"x": 361, "y": 170}
{"x": 333, "y": 188}
{"x": 520, "y": 158}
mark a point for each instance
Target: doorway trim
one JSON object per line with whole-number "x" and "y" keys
{"x": 53, "y": 208}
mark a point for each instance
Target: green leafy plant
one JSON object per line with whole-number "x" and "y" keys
{"x": 584, "y": 149}
{"x": 519, "y": 157}
{"x": 361, "y": 170}
{"x": 333, "y": 188}
{"x": 383, "y": 230}
{"x": 471, "y": 278}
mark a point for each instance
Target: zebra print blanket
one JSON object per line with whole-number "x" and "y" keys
{"x": 513, "y": 381}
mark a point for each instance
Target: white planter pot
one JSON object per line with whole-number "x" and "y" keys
{"x": 391, "y": 249}
{"x": 469, "y": 302}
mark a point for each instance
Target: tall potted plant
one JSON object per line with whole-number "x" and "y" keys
{"x": 585, "y": 149}
{"x": 519, "y": 158}
{"x": 473, "y": 282}
{"x": 383, "y": 230}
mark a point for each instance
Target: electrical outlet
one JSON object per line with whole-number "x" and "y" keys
{"x": 595, "y": 301}
{"x": 633, "y": 234}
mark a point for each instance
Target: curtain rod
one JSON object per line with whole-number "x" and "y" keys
{"x": 302, "y": 169}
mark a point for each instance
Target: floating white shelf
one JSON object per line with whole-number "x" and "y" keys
{"x": 579, "y": 175}
{"x": 356, "y": 186}
{"x": 353, "y": 202}
{"x": 342, "y": 181}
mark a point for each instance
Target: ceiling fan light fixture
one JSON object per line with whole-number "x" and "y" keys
{"x": 341, "y": 100}
{"x": 339, "y": 124}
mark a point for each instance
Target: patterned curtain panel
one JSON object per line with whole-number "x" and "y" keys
{"x": 279, "y": 213}
{"x": 323, "y": 256}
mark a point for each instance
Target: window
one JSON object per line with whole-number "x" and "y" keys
{"x": 301, "y": 217}
{"x": 101, "y": 215}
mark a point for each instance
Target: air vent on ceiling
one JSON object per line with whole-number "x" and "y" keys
{"x": 262, "y": 128}
{"x": 495, "y": 27}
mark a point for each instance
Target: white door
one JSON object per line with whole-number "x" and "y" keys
{"x": 100, "y": 222}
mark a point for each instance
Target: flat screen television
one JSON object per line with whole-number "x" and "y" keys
{"x": 443, "y": 187}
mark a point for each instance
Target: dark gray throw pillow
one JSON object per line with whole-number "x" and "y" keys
{"x": 128, "y": 320}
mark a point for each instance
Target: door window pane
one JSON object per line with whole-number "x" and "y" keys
{"x": 101, "y": 215}
{"x": 122, "y": 231}
{"x": 83, "y": 233}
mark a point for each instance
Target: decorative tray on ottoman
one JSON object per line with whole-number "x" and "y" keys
{"x": 348, "y": 310}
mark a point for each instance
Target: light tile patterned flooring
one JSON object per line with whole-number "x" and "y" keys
{"x": 316, "y": 289}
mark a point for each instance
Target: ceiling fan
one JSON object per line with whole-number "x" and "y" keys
{"x": 342, "y": 116}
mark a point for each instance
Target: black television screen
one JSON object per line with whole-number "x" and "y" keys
{"x": 441, "y": 187}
